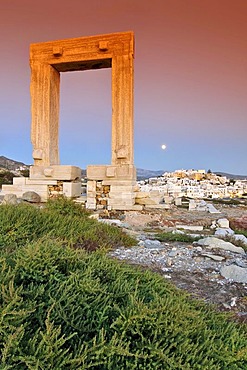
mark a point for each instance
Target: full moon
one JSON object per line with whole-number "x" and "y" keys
{"x": 163, "y": 146}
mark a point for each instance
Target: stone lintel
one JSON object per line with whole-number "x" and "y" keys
{"x": 116, "y": 172}
{"x": 56, "y": 172}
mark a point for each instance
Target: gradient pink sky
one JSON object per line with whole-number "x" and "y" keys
{"x": 190, "y": 81}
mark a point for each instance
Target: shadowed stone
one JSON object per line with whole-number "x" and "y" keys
{"x": 10, "y": 199}
{"x": 31, "y": 196}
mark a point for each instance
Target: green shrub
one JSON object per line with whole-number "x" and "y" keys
{"x": 61, "y": 219}
{"x": 66, "y": 207}
{"x": 169, "y": 236}
{"x": 243, "y": 232}
{"x": 63, "y": 308}
{"x": 6, "y": 177}
{"x": 25, "y": 172}
{"x": 66, "y": 309}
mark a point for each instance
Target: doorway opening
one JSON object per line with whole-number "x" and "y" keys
{"x": 85, "y": 117}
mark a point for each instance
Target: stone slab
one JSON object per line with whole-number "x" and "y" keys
{"x": 55, "y": 172}
{"x": 19, "y": 181}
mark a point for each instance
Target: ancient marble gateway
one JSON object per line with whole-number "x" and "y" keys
{"x": 109, "y": 186}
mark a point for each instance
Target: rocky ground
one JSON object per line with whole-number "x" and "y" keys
{"x": 213, "y": 273}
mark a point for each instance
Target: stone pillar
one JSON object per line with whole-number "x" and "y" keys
{"x": 45, "y": 84}
{"x": 122, "y": 115}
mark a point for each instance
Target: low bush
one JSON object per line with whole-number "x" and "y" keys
{"x": 242, "y": 232}
{"x": 170, "y": 237}
{"x": 61, "y": 219}
{"x": 6, "y": 177}
{"x": 63, "y": 308}
{"x": 66, "y": 309}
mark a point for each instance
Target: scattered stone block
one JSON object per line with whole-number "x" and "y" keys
{"x": 223, "y": 223}
{"x": 223, "y": 232}
{"x": 190, "y": 227}
{"x": 212, "y": 209}
{"x": 178, "y": 201}
{"x": 19, "y": 180}
{"x": 72, "y": 189}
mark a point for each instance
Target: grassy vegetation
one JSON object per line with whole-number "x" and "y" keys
{"x": 63, "y": 308}
{"x": 61, "y": 220}
{"x": 242, "y": 232}
{"x": 6, "y": 177}
{"x": 171, "y": 237}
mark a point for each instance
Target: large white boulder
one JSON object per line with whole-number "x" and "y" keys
{"x": 235, "y": 273}
{"x": 214, "y": 243}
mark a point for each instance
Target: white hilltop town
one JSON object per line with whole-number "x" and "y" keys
{"x": 172, "y": 187}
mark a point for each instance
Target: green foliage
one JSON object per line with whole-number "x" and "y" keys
{"x": 169, "y": 236}
{"x": 66, "y": 207}
{"x": 66, "y": 309}
{"x": 243, "y": 232}
{"x": 63, "y": 308}
{"x": 25, "y": 172}
{"x": 6, "y": 177}
{"x": 62, "y": 219}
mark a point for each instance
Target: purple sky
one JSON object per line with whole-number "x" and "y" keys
{"x": 190, "y": 81}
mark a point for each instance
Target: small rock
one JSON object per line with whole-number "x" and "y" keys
{"x": 223, "y": 223}
{"x": 235, "y": 273}
{"x": 169, "y": 261}
{"x": 10, "y": 199}
{"x": 31, "y": 196}
{"x": 141, "y": 243}
{"x": 212, "y": 209}
{"x": 173, "y": 253}
{"x": 111, "y": 221}
{"x": 190, "y": 227}
{"x": 198, "y": 249}
{"x": 233, "y": 301}
{"x": 224, "y": 232}
{"x": 153, "y": 244}
{"x": 213, "y": 226}
{"x": 177, "y": 232}
{"x": 94, "y": 216}
{"x": 214, "y": 257}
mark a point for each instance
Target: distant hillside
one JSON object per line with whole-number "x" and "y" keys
{"x": 231, "y": 176}
{"x": 11, "y": 164}
{"x": 146, "y": 174}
